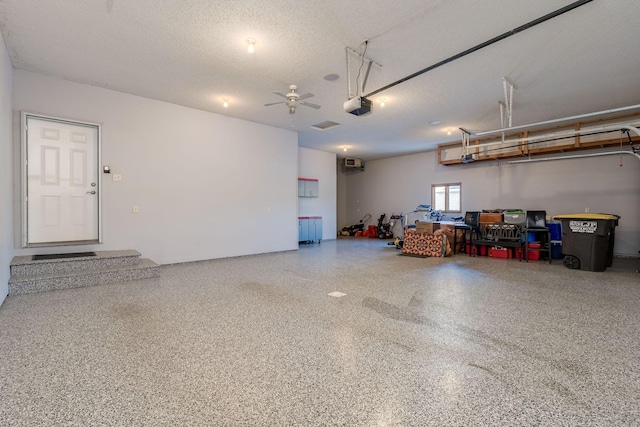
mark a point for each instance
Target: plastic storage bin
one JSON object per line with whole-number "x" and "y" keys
{"x": 499, "y": 252}
{"x": 533, "y": 255}
{"x": 515, "y": 217}
{"x": 587, "y": 240}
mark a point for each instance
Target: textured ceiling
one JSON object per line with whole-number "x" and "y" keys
{"x": 194, "y": 53}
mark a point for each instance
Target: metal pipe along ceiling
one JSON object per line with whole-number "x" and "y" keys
{"x": 554, "y": 121}
{"x": 582, "y": 156}
{"x": 558, "y": 135}
{"x": 577, "y": 156}
{"x": 503, "y": 36}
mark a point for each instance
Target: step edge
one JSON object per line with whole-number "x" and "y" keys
{"x": 143, "y": 263}
{"x": 27, "y": 259}
{"x": 18, "y": 288}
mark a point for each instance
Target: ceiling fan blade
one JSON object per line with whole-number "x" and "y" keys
{"x": 305, "y": 96}
{"x": 274, "y": 103}
{"x": 280, "y": 94}
{"x": 308, "y": 104}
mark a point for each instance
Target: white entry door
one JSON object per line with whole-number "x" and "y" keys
{"x": 62, "y": 202}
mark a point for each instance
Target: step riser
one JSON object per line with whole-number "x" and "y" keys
{"x": 28, "y": 286}
{"x": 66, "y": 266}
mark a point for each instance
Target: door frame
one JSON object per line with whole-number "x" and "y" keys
{"x": 24, "y": 177}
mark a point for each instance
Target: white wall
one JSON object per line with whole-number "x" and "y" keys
{"x": 6, "y": 169}
{"x": 207, "y": 186}
{"x": 322, "y": 166}
{"x": 559, "y": 187}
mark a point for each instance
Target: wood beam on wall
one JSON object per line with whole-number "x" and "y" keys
{"x": 524, "y": 147}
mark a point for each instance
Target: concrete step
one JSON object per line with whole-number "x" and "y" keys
{"x": 25, "y": 284}
{"x": 27, "y": 266}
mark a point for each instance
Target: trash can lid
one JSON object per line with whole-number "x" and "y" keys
{"x": 587, "y": 216}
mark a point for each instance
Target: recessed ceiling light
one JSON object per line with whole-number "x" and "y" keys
{"x": 435, "y": 122}
{"x": 251, "y": 43}
{"x": 331, "y": 77}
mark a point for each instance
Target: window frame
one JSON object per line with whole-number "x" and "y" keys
{"x": 446, "y": 196}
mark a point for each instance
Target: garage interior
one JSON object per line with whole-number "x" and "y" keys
{"x": 212, "y": 291}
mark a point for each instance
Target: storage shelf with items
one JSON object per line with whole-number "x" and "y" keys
{"x": 537, "y": 236}
{"x": 308, "y": 187}
{"x": 309, "y": 229}
{"x": 510, "y": 234}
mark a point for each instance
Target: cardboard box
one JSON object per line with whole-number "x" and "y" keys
{"x": 448, "y": 229}
{"x": 426, "y": 227}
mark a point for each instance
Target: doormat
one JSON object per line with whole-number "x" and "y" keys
{"x": 60, "y": 256}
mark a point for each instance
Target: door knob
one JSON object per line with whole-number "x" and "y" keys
{"x": 91, "y": 192}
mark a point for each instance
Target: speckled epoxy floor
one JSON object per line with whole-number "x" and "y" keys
{"x": 256, "y": 341}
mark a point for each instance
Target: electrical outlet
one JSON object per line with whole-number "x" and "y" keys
{"x": 117, "y": 177}
{"x": 135, "y": 209}
{"x": 586, "y": 210}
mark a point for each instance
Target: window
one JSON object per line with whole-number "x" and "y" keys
{"x": 447, "y": 197}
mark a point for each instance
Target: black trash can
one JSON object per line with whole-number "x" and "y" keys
{"x": 587, "y": 240}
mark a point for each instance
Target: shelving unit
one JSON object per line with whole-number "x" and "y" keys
{"x": 308, "y": 187}
{"x": 309, "y": 229}
{"x": 540, "y": 235}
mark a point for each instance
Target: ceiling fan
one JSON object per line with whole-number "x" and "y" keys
{"x": 293, "y": 99}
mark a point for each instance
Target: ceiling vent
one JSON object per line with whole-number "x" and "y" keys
{"x": 325, "y": 125}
